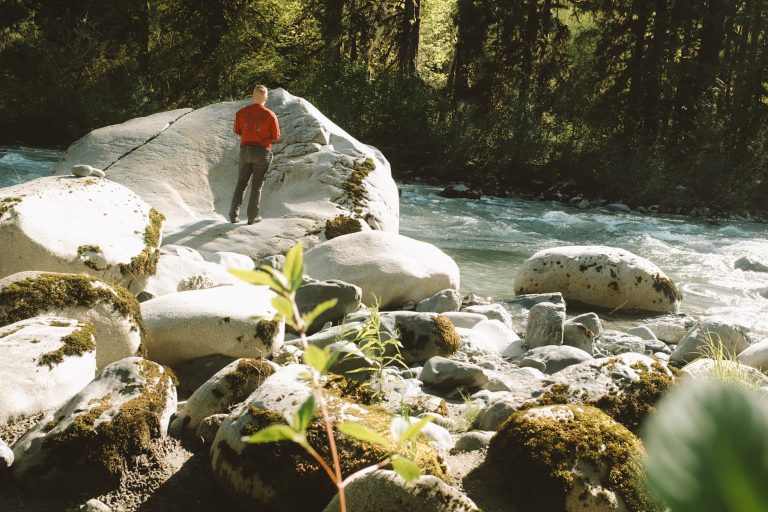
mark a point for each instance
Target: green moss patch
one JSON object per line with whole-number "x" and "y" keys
{"x": 84, "y": 252}
{"x": 666, "y": 287}
{"x": 342, "y": 225}
{"x": 540, "y": 453}
{"x": 354, "y": 187}
{"x": 629, "y": 405}
{"x": 145, "y": 263}
{"x": 103, "y": 450}
{"x": 248, "y": 375}
{"x": 73, "y": 345}
{"x": 7, "y": 204}
{"x": 47, "y": 292}
{"x": 267, "y": 331}
{"x": 446, "y": 333}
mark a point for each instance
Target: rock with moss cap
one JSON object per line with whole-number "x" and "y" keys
{"x": 108, "y": 231}
{"x": 627, "y": 387}
{"x": 226, "y": 388}
{"x": 604, "y": 277}
{"x": 282, "y": 476}
{"x": 113, "y": 311}
{"x": 386, "y": 491}
{"x": 389, "y": 267}
{"x": 181, "y": 163}
{"x": 568, "y": 458}
{"x": 85, "y": 445}
{"x": 44, "y": 361}
{"x": 422, "y": 335}
{"x": 235, "y": 321}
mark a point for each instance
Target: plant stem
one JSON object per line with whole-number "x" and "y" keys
{"x": 336, "y": 473}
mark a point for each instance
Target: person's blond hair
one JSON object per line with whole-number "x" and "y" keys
{"x": 260, "y": 88}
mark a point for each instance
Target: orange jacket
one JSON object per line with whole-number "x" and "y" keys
{"x": 256, "y": 124}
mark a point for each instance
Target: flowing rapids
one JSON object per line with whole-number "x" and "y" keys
{"x": 490, "y": 237}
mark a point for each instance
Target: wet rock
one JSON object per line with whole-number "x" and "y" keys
{"x": 460, "y": 191}
{"x": 749, "y": 265}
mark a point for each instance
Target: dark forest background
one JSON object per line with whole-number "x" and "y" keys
{"x": 649, "y": 101}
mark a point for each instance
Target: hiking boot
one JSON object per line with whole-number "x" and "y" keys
{"x": 254, "y": 220}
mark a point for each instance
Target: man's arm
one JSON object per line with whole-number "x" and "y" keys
{"x": 236, "y": 126}
{"x": 274, "y": 130}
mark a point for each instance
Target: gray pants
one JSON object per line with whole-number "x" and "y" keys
{"x": 254, "y": 163}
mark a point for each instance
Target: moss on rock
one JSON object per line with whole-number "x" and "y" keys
{"x": 47, "y": 292}
{"x": 102, "y": 440}
{"x": 283, "y": 467}
{"x": 446, "y": 333}
{"x": 75, "y": 344}
{"x": 145, "y": 263}
{"x": 7, "y": 204}
{"x": 355, "y": 184}
{"x": 267, "y": 330}
{"x": 342, "y": 225}
{"x": 632, "y": 405}
{"x": 542, "y": 452}
{"x": 242, "y": 379}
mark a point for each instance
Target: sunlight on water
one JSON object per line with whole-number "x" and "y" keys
{"x": 489, "y": 238}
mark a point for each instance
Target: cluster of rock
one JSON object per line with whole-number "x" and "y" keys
{"x": 113, "y": 341}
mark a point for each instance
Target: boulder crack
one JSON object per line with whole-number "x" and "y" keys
{"x": 171, "y": 123}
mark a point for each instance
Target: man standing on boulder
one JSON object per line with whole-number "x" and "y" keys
{"x": 258, "y": 128}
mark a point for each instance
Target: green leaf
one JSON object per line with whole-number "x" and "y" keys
{"x": 406, "y": 468}
{"x": 256, "y": 277}
{"x": 294, "y": 266}
{"x": 316, "y": 358}
{"x": 362, "y": 433}
{"x": 305, "y": 414}
{"x": 413, "y": 429}
{"x": 707, "y": 448}
{"x": 332, "y": 358}
{"x": 278, "y": 278}
{"x": 283, "y": 306}
{"x": 318, "y": 310}
{"x": 272, "y": 434}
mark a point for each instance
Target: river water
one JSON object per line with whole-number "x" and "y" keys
{"x": 490, "y": 237}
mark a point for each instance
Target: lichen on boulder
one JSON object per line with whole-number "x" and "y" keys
{"x": 567, "y": 458}
{"x": 342, "y": 225}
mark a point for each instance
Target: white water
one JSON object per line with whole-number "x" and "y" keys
{"x": 489, "y": 238}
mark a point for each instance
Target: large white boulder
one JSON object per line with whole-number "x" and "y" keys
{"x": 113, "y": 311}
{"x": 44, "y": 361}
{"x": 389, "y": 267}
{"x": 80, "y": 225}
{"x": 184, "y": 164}
{"x": 177, "y": 273}
{"x": 235, "y": 321}
{"x": 84, "y": 446}
{"x": 605, "y": 277}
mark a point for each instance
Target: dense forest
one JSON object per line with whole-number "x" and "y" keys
{"x": 650, "y": 101}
